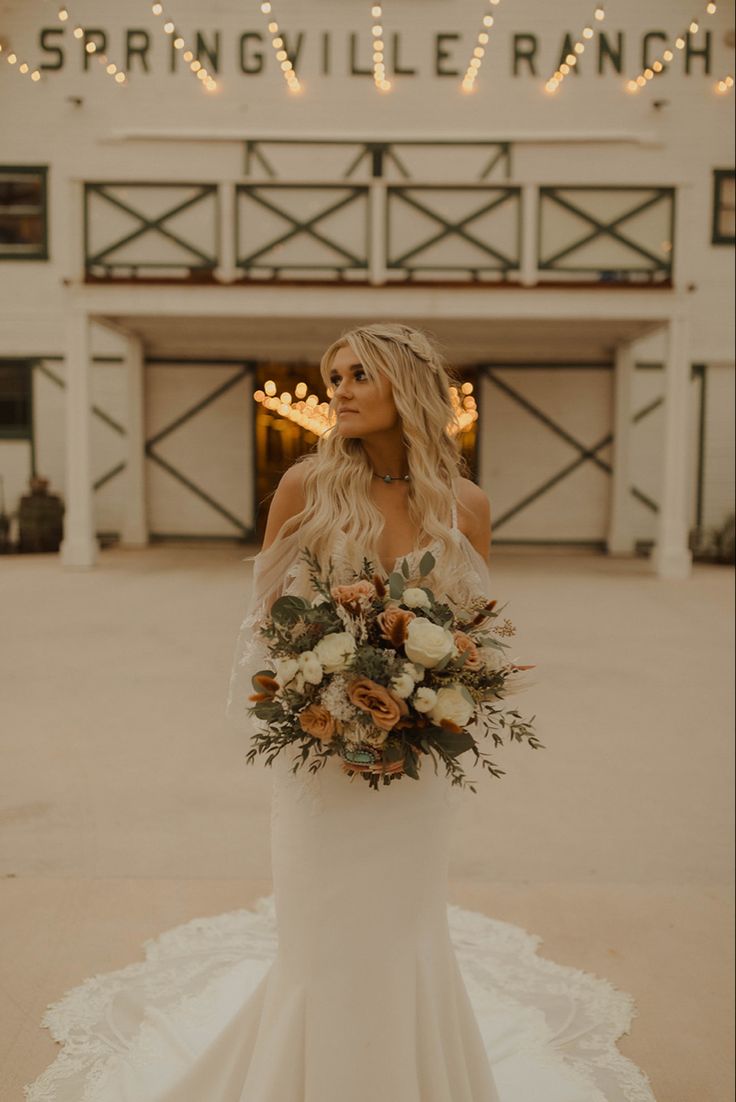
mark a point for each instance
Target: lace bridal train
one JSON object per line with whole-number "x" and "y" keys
{"x": 354, "y": 981}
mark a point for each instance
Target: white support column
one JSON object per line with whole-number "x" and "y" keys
{"x": 79, "y": 546}
{"x": 226, "y": 270}
{"x": 620, "y": 532}
{"x": 671, "y": 557}
{"x": 529, "y": 274}
{"x": 134, "y": 531}
{"x": 377, "y": 199}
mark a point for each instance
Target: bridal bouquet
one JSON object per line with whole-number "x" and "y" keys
{"x": 383, "y": 676}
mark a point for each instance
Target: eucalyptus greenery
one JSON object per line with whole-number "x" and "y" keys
{"x": 295, "y": 625}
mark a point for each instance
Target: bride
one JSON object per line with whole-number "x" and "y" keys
{"x": 355, "y": 981}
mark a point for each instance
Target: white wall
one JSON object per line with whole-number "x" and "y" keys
{"x": 102, "y": 136}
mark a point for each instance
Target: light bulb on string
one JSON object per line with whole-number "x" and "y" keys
{"x": 206, "y": 80}
{"x": 281, "y": 54}
{"x": 479, "y": 51}
{"x": 23, "y": 68}
{"x": 554, "y": 82}
{"x": 657, "y": 67}
{"x": 379, "y": 66}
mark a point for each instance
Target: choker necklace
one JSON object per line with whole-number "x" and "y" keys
{"x": 388, "y": 477}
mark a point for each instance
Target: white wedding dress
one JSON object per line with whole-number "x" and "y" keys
{"x": 355, "y": 981}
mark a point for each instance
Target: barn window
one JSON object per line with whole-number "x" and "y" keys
{"x": 724, "y": 228}
{"x": 15, "y": 399}
{"x": 23, "y": 214}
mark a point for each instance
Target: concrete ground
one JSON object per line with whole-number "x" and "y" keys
{"x": 127, "y": 806}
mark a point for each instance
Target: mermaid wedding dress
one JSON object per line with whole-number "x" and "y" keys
{"x": 354, "y": 981}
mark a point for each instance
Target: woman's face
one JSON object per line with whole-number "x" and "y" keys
{"x": 362, "y": 407}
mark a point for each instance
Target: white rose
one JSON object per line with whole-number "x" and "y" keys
{"x": 298, "y": 683}
{"x": 427, "y": 643}
{"x": 286, "y": 669}
{"x": 416, "y": 673}
{"x": 311, "y": 667}
{"x": 335, "y": 651}
{"x": 493, "y": 658}
{"x": 414, "y": 597}
{"x": 452, "y": 705}
{"x": 403, "y": 685}
{"x": 424, "y": 699}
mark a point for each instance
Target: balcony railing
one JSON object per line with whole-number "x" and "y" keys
{"x": 378, "y": 232}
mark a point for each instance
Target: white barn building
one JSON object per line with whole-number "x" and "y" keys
{"x": 169, "y": 242}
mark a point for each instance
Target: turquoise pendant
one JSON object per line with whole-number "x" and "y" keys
{"x": 361, "y": 757}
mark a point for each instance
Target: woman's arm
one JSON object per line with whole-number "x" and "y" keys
{"x": 287, "y": 501}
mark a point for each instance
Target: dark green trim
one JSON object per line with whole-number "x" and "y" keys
{"x": 247, "y": 537}
{"x": 252, "y": 191}
{"x": 719, "y": 175}
{"x": 56, "y": 358}
{"x": 42, "y": 171}
{"x": 377, "y": 153}
{"x": 169, "y": 537}
{"x": 499, "y": 195}
{"x": 656, "y": 264}
{"x": 25, "y": 368}
{"x": 596, "y": 365}
{"x": 254, "y": 451}
{"x": 102, "y": 258}
{"x": 594, "y": 544}
{"x": 701, "y": 372}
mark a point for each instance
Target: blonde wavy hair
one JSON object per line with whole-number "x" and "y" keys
{"x": 338, "y": 506}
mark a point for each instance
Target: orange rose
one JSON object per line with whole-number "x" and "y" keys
{"x": 466, "y": 645}
{"x": 393, "y": 623}
{"x": 384, "y": 708}
{"x": 317, "y": 722}
{"x": 354, "y": 594}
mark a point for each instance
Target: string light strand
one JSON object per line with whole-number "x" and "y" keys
{"x": 317, "y": 417}
{"x": 282, "y": 56}
{"x": 380, "y": 79}
{"x": 196, "y": 67}
{"x": 657, "y": 66}
{"x": 571, "y": 59}
{"x": 90, "y": 46}
{"x": 479, "y": 50}
{"x": 20, "y": 66}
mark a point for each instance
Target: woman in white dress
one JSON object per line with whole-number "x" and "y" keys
{"x": 354, "y": 982}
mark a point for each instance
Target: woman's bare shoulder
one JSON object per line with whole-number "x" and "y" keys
{"x": 289, "y": 499}
{"x": 471, "y": 496}
{"x": 474, "y": 514}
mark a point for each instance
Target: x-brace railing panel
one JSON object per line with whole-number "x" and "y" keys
{"x": 267, "y": 197}
{"x": 144, "y": 225}
{"x": 453, "y": 228}
{"x": 601, "y": 230}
